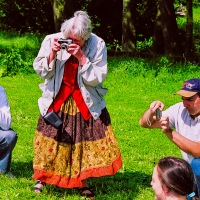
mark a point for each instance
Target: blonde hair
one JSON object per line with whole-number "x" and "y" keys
{"x": 79, "y": 25}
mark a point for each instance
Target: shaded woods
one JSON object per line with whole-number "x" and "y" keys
{"x": 145, "y": 28}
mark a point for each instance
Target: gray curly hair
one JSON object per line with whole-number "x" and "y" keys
{"x": 79, "y": 25}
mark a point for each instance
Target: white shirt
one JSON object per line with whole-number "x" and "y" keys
{"x": 5, "y": 116}
{"x": 180, "y": 120}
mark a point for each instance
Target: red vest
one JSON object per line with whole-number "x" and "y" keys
{"x": 69, "y": 87}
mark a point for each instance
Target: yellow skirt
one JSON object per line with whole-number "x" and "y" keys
{"x": 77, "y": 151}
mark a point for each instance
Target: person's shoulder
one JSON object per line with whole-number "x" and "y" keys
{"x": 1, "y": 88}
{"x": 53, "y": 35}
{"x": 180, "y": 105}
{"x": 93, "y": 36}
{"x": 95, "y": 41}
{"x": 176, "y": 108}
{"x": 177, "y": 105}
{"x": 2, "y": 91}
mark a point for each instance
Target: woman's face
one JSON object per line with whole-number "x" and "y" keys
{"x": 76, "y": 40}
{"x": 157, "y": 185}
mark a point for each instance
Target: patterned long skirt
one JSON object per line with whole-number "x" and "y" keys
{"x": 78, "y": 150}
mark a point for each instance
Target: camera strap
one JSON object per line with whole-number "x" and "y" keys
{"x": 54, "y": 83}
{"x": 52, "y": 106}
{"x": 53, "y": 91}
{"x": 51, "y": 117}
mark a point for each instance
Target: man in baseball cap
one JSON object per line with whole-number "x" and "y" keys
{"x": 181, "y": 124}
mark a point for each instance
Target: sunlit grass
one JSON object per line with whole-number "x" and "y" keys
{"x": 130, "y": 93}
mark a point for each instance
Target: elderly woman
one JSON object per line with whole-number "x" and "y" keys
{"x": 74, "y": 66}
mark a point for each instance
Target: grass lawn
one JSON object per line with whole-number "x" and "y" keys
{"x": 130, "y": 94}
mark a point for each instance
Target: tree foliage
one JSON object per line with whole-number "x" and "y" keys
{"x": 41, "y": 16}
{"x": 108, "y": 17}
{"x": 26, "y": 16}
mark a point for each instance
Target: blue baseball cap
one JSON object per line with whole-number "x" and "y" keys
{"x": 190, "y": 88}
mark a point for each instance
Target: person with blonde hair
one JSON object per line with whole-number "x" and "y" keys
{"x": 74, "y": 139}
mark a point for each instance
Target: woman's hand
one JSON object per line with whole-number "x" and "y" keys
{"x": 75, "y": 50}
{"x": 55, "y": 47}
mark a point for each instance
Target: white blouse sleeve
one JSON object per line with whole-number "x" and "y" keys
{"x": 94, "y": 71}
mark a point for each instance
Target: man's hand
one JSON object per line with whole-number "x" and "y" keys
{"x": 155, "y": 105}
{"x": 148, "y": 119}
{"x": 164, "y": 123}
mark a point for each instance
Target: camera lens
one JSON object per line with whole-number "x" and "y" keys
{"x": 64, "y": 46}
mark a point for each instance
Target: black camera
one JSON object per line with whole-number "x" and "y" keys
{"x": 158, "y": 114}
{"x": 64, "y": 43}
{"x": 53, "y": 119}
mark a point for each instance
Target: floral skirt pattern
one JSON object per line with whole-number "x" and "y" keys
{"x": 77, "y": 150}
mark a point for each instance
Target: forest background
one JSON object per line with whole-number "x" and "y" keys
{"x": 126, "y": 25}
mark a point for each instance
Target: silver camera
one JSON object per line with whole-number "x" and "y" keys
{"x": 158, "y": 114}
{"x": 64, "y": 43}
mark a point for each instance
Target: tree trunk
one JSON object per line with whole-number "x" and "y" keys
{"x": 166, "y": 29}
{"x": 63, "y": 9}
{"x": 158, "y": 41}
{"x": 189, "y": 30}
{"x": 128, "y": 28}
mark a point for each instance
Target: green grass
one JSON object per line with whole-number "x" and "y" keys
{"x": 133, "y": 84}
